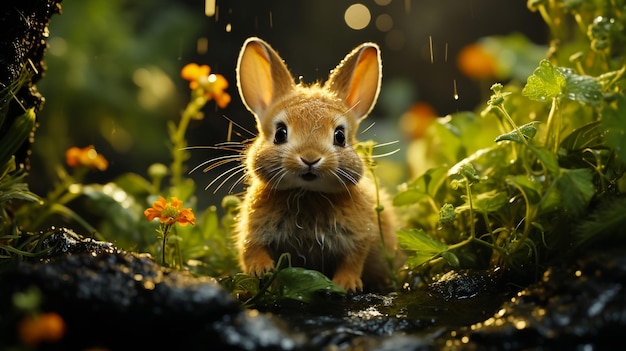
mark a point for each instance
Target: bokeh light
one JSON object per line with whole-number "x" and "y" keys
{"x": 357, "y": 16}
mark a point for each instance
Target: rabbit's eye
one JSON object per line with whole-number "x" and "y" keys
{"x": 280, "y": 136}
{"x": 340, "y": 136}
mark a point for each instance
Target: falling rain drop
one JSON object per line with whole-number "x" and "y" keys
{"x": 430, "y": 47}
{"x": 228, "y": 28}
{"x": 456, "y": 93}
{"x": 209, "y": 8}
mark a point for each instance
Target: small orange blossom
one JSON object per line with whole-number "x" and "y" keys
{"x": 213, "y": 85}
{"x": 45, "y": 327}
{"x": 170, "y": 212}
{"x": 475, "y": 62}
{"x": 86, "y": 157}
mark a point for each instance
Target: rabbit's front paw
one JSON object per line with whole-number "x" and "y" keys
{"x": 259, "y": 264}
{"x": 350, "y": 282}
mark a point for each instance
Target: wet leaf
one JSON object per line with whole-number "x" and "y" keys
{"x": 424, "y": 246}
{"x": 581, "y": 88}
{"x": 487, "y": 202}
{"x": 528, "y": 131}
{"x": 590, "y": 135}
{"x": 305, "y": 285}
{"x": 546, "y": 83}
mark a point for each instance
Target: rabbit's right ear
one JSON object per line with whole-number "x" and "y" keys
{"x": 262, "y": 77}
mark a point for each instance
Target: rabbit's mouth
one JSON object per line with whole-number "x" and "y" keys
{"x": 308, "y": 176}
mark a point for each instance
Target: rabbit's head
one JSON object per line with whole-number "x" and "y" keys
{"x": 306, "y": 134}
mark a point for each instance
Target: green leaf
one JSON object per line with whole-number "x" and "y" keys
{"x": 530, "y": 188}
{"x": 424, "y": 246}
{"x": 16, "y": 135}
{"x": 487, "y": 202}
{"x": 209, "y": 223}
{"x": 423, "y": 187}
{"x": 451, "y": 258}
{"x": 134, "y": 184}
{"x": 584, "y": 89}
{"x": 528, "y": 131}
{"x": 241, "y": 283}
{"x": 547, "y": 158}
{"x": 546, "y": 83}
{"x": 571, "y": 192}
{"x": 614, "y": 121}
{"x": 591, "y": 135}
{"x": 305, "y": 285}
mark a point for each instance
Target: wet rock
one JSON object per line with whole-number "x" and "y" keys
{"x": 119, "y": 300}
{"x": 465, "y": 284}
{"x": 580, "y": 305}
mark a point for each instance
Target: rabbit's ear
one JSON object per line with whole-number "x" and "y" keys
{"x": 262, "y": 77}
{"x": 356, "y": 80}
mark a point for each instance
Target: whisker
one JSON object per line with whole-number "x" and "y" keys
{"x": 238, "y": 181}
{"x": 231, "y": 172}
{"x": 343, "y": 183}
{"x": 368, "y": 128}
{"x": 385, "y": 154}
{"x": 386, "y": 144}
{"x": 239, "y": 126}
{"x": 216, "y": 162}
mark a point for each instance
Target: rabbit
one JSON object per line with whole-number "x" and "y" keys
{"x": 306, "y": 189}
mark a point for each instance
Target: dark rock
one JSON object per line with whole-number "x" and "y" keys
{"x": 119, "y": 300}
{"x": 22, "y": 47}
{"x": 577, "y": 305}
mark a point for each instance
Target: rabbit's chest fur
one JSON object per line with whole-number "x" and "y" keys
{"x": 317, "y": 229}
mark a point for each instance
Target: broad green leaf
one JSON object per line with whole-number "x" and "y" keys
{"x": 570, "y": 192}
{"x": 486, "y": 202}
{"x": 301, "y": 284}
{"x": 590, "y": 135}
{"x": 547, "y": 158}
{"x": 585, "y": 89}
{"x": 528, "y": 132}
{"x": 424, "y": 246}
{"x": 546, "y": 83}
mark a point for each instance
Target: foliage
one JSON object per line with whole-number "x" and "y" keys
{"x": 556, "y": 155}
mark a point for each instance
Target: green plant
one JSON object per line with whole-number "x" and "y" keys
{"x": 557, "y": 156}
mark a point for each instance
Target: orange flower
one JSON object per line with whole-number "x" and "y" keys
{"x": 85, "y": 157}
{"x": 212, "y": 85}
{"x": 416, "y": 120}
{"x": 475, "y": 62}
{"x": 45, "y": 327}
{"x": 170, "y": 212}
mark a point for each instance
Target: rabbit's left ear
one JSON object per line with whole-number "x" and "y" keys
{"x": 356, "y": 80}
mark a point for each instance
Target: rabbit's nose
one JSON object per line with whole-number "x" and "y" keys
{"x": 309, "y": 162}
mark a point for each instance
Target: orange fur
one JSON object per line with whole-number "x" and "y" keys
{"x": 307, "y": 193}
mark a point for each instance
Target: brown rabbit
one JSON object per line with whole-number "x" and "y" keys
{"x": 307, "y": 193}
